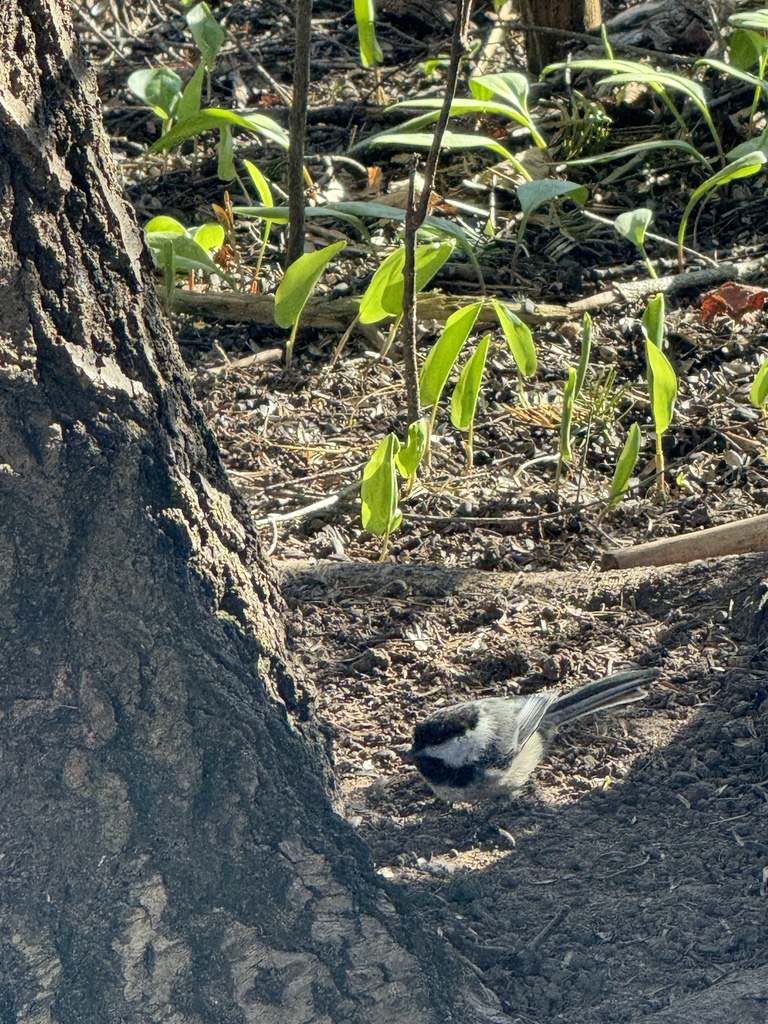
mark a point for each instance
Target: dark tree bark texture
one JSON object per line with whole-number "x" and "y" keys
{"x": 168, "y": 849}
{"x": 564, "y": 16}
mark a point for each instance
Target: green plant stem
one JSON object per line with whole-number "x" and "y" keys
{"x": 470, "y": 447}
{"x": 289, "y": 345}
{"x": 430, "y": 430}
{"x": 417, "y": 211}
{"x": 761, "y": 66}
{"x": 660, "y": 467}
{"x": 648, "y": 265}
{"x": 298, "y": 129}
{"x": 384, "y": 547}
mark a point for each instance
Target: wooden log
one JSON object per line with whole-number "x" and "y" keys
{"x": 338, "y": 313}
{"x": 731, "y": 539}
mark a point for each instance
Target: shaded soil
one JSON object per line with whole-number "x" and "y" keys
{"x": 632, "y": 872}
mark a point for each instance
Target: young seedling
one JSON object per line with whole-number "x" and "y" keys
{"x": 520, "y": 342}
{"x": 584, "y": 354}
{"x": 505, "y": 94}
{"x": 384, "y": 295}
{"x": 264, "y": 192}
{"x": 633, "y": 225}
{"x": 161, "y": 90}
{"x": 379, "y": 492}
{"x": 571, "y": 392}
{"x": 625, "y": 466}
{"x": 408, "y": 458}
{"x": 442, "y": 357}
{"x": 662, "y": 381}
{"x": 565, "y": 453}
{"x": 179, "y": 250}
{"x": 365, "y": 16}
{"x": 629, "y": 72}
{"x": 748, "y": 46}
{"x": 379, "y": 488}
{"x": 758, "y": 393}
{"x": 532, "y": 194}
{"x": 465, "y": 395}
{"x": 744, "y": 167}
{"x": 296, "y": 287}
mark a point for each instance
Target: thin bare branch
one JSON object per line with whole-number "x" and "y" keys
{"x": 418, "y": 209}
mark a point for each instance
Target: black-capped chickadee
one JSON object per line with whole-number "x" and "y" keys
{"x": 487, "y": 748}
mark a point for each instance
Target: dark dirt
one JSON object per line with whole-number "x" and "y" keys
{"x": 632, "y": 872}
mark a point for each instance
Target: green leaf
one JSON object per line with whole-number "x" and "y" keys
{"x": 408, "y": 458}
{"x": 429, "y": 259}
{"x": 586, "y": 348}
{"x": 299, "y": 283}
{"x": 379, "y": 491}
{"x": 189, "y": 104}
{"x": 759, "y": 143}
{"x": 653, "y": 320}
{"x": 462, "y": 107}
{"x": 260, "y": 183}
{"x": 365, "y": 16}
{"x": 511, "y": 85}
{"x": 533, "y": 193}
{"x": 633, "y": 225}
{"x": 566, "y": 420}
{"x": 165, "y": 224}
{"x": 735, "y": 72}
{"x": 279, "y": 214}
{"x": 188, "y": 254}
{"x": 745, "y": 167}
{"x": 158, "y": 88}
{"x": 745, "y": 48}
{"x": 210, "y": 236}
{"x": 757, "y": 20}
{"x": 465, "y": 394}
{"x": 451, "y": 140}
{"x": 445, "y": 351}
{"x": 625, "y": 466}
{"x": 209, "y": 36}
{"x": 211, "y": 118}
{"x": 226, "y": 170}
{"x": 519, "y": 339}
{"x": 641, "y": 147}
{"x": 630, "y": 72}
{"x": 372, "y": 308}
{"x": 759, "y": 390}
{"x": 663, "y": 387}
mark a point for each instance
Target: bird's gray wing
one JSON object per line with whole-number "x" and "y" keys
{"x": 522, "y": 719}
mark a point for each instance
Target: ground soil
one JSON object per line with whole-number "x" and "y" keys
{"x": 632, "y": 872}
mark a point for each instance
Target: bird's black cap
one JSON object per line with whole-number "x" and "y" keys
{"x": 444, "y": 726}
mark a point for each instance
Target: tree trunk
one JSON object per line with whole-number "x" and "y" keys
{"x": 168, "y": 848}
{"x": 563, "y": 16}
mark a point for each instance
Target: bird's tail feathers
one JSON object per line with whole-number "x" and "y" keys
{"x": 610, "y": 692}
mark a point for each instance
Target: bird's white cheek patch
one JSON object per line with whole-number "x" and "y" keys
{"x": 466, "y": 749}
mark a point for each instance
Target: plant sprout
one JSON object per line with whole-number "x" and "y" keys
{"x": 465, "y": 394}
{"x": 296, "y": 287}
{"x": 633, "y": 225}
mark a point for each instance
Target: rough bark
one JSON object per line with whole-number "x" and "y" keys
{"x": 168, "y": 848}
{"x": 561, "y": 17}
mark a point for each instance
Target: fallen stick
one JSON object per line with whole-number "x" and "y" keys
{"x": 732, "y": 539}
{"x": 634, "y": 291}
{"x": 338, "y": 314}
